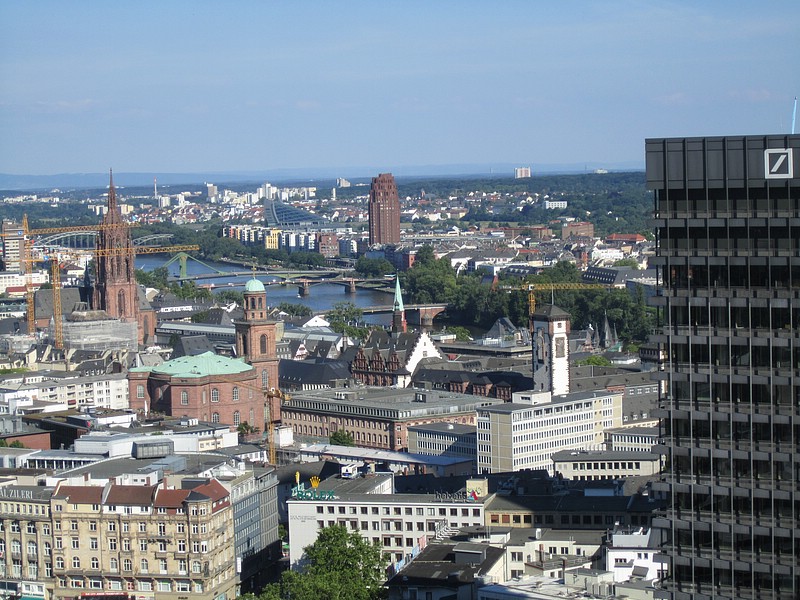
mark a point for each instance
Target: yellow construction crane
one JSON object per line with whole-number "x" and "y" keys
{"x": 269, "y": 394}
{"x": 532, "y": 288}
{"x": 55, "y": 277}
{"x": 25, "y": 256}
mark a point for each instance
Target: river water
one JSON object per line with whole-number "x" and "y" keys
{"x": 322, "y": 295}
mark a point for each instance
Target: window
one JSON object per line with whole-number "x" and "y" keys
{"x": 164, "y": 586}
{"x": 181, "y": 545}
{"x": 235, "y": 394}
{"x": 262, "y": 346}
{"x": 59, "y": 562}
{"x": 264, "y": 379}
{"x": 127, "y": 564}
{"x": 95, "y": 562}
{"x": 76, "y": 543}
{"x": 214, "y": 395}
{"x": 113, "y": 565}
{"x": 76, "y": 562}
{"x": 182, "y": 586}
{"x": 126, "y": 545}
{"x": 31, "y": 548}
{"x": 215, "y": 417}
{"x": 162, "y": 566}
{"x": 142, "y": 527}
{"x": 181, "y": 528}
{"x": 184, "y": 398}
{"x": 92, "y": 525}
{"x": 195, "y": 566}
{"x": 31, "y": 527}
{"x": 112, "y": 526}
{"x": 237, "y": 419}
{"x": 143, "y": 566}
{"x": 93, "y": 543}
{"x": 112, "y": 543}
{"x": 73, "y": 525}
{"x": 145, "y": 586}
{"x": 143, "y": 545}
{"x": 140, "y": 391}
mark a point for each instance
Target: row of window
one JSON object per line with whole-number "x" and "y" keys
{"x": 397, "y": 511}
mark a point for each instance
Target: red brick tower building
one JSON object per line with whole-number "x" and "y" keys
{"x": 116, "y": 290}
{"x": 384, "y": 211}
{"x": 255, "y": 339}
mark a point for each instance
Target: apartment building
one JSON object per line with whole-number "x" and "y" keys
{"x": 145, "y": 540}
{"x": 26, "y": 541}
{"x": 74, "y": 390}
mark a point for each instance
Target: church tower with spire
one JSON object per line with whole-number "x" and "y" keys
{"x": 115, "y": 290}
{"x": 399, "y": 312}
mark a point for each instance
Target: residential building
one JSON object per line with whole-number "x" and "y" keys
{"x": 629, "y": 553}
{"x": 14, "y": 250}
{"x": 728, "y": 253}
{"x": 577, "y": 229}
{"x": 142, "y": 539}
{"x": 384, "y": 211}
{"x": 522, "y": 173}
{"x": 26, "y": 541}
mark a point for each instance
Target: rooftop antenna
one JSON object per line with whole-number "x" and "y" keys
{"x": 794, "y": 114}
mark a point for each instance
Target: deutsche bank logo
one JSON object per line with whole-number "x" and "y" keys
{"x": 778, "y": 163}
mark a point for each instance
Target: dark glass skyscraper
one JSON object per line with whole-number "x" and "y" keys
{"x": 727, "y": 215}
{"x": 384, "y": 211}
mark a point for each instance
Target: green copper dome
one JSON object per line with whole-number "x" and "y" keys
{"x": 254, "y": 285}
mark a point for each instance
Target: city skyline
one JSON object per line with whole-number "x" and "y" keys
{"x": 198, "y": 87}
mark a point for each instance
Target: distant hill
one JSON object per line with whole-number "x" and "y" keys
{"x": 307, "y": 175}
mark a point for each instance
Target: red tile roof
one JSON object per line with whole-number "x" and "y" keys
{"x": 80, "y": 494}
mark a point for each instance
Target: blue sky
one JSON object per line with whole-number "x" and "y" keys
{"x": 231, "y": 86}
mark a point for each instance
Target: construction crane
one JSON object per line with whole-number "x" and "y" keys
{"x": 269, "y": 395}
{"x": 25, "y": 256}
{"x": 56, "y": 280}
{"x": 532, "y": 288}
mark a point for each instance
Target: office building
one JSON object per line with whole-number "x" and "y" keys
{"x": 384, "y": 211}
{"x": 14, "y": 251}
{"x": 727, "y": 218}
{"x": 522, "y": 173}
{"x": 513, "y": 436}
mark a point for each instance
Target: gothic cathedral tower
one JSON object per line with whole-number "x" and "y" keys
{"x": 115, "y": 290}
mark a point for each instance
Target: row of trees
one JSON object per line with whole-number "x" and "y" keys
{"x": 470, "y": 302}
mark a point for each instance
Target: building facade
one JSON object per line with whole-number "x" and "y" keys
{"x": 144, "y": 540}
{"x": 513, "y": 436}
{"x": 207, "y": 387}
{"x": 384, "y": 211}
{"x": 727, "y": 217}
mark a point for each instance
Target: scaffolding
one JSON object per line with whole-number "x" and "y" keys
{"x": 85, "y": 331}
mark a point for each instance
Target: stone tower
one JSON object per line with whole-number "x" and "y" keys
{"x": 550, "y": 339}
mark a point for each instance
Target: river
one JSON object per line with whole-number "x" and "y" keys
{"x": 321, "y": 298}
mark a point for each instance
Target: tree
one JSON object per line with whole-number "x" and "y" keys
{"x": 295, "y": 310}
{"x": 340, "y": 565}
{"x": 342, "y": 438}
{"x": 627, "y": 262}
{"x": 344, "y": 312}
{"x": 597, "y": 361}
{"x": 461, "y": 333}
{"x": 373, "y": 267}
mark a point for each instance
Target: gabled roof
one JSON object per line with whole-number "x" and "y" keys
{"x": 79, "y": 494}
{"x": 134, "y": 495}
{"x": 170, "y": 498}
